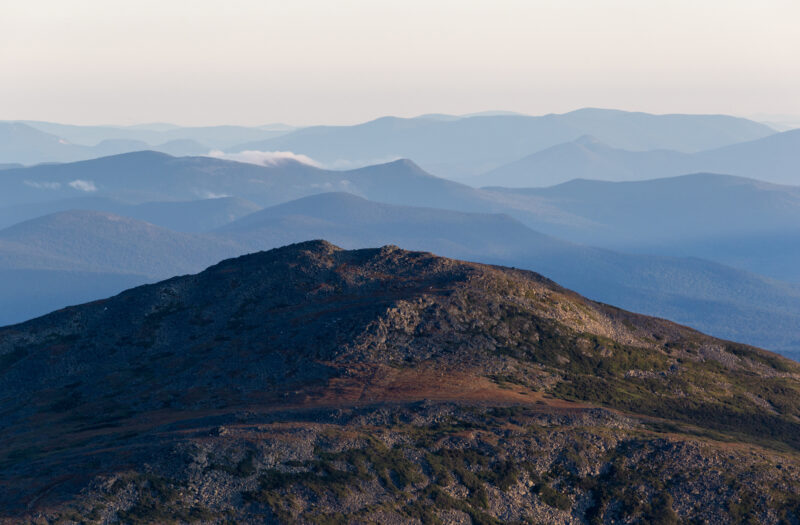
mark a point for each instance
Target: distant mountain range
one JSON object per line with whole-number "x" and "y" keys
{"x": 775, "y": 158}
{"x": 38, "y": 142}
{"x": 142, "y": 177}
{"x": 211, "y": 136}
{"x": 732, "y": 220}
{"x": 23, "y": 144}
{"x": 449, "y": 146}
{"x": 464, "y": 147}
{"x": 742, "y": 222}
{"x": 354, "y": 222}
{"x": 76, "y": 256}
{"x": 184, "y": 216}
{"x": 102, "y": 242}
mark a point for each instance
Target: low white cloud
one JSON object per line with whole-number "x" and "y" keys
{"x": 43, "y": 185}
{"x": 83, "y": 185}
{"x": 264, "y": 158}
{"x": 205, "y": 194}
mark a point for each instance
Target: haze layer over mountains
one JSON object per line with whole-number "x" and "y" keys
{"x": 699, "y": 232}
{"x": 772, "y": 158}
{"x": 448, "y": 146}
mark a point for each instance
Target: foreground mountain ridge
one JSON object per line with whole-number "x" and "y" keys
{"x": 310, "y": 383}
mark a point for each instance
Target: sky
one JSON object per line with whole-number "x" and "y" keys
{"x": 302, "y": 62}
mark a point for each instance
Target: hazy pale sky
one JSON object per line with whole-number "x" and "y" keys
{"x": 321, "y": 61}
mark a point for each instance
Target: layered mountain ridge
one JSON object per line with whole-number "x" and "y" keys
{"x": 773, "y": 158}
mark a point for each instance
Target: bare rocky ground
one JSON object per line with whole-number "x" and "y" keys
{"x": 314, "y": 385}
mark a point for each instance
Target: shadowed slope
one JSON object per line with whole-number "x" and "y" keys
{"x": 146, "y": 377}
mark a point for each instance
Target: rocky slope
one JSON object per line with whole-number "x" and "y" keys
{"x": 316, "y": 385}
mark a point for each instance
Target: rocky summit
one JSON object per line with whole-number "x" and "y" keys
{"x": 310, "y": 384}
